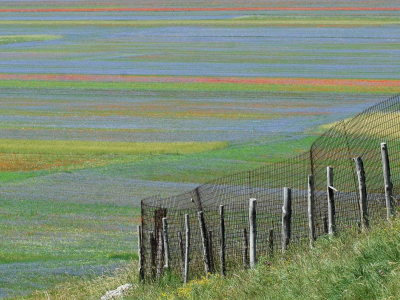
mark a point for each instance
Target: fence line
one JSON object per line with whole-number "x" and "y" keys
{"x": 360, "y": 136}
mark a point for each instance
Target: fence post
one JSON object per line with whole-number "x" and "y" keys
{"x": 152, "y": 254}
{"x": 324, "y": 225}
{"x": 182, "y": 252}
{"x": 141, "y": 271}
{"x": 159, "y": 254}
{"x": 211, "y": 252}
{"x": 271, "y": 243}
{"x": 388, "y": 182}
{"x": 363, "y": 193}
{"x": 331, "y": 201}
{"x": 206, "y": 253}
{"x": 311, "y": 222}
{"x": 222, "y": 239}
{"x": 166, "y": 243}
{"x": 286, "y": 217}
{"x": 187, "y": 249}
{"x": 253, "y": 231}
{"x": 245, "y": 250}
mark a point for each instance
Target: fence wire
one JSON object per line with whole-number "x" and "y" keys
{"x": 358, "y": 136}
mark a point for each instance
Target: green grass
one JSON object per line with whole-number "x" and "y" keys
{"x": 351, "y": 265}
{"x": 248, "y": 21}
{"x": 95, "y": 148}
{"x": 12, "y": 39}
{"x": 201, "y": 87}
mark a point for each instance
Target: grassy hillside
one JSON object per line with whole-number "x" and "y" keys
{"x": 352, "y": 265}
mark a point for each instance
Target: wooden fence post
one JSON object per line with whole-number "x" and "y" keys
{"x": 159, "y": 255}
{"x": 363, "y": 193}
{"x": 206, "y": 253}
{"x": 271, "y": 243}
{"x": 166, "y": 243}
{"x": 152, "y": 254}
{"x": 210, "y": 251}
{"x": 253, "y": 231}
{"x": 286, "y": 217}
{"x": 141, "y": 271}
{"x": 324, "y": 225}
{"x": 222, "y": 239}
{"x": 187, "y": 249}
{"x": 245, "y": 250}
{"x": 388, "y": 182}
{"x": 331, "y": 201}
{"x": 311, "y": 222}
{"x": 182, "y": 253}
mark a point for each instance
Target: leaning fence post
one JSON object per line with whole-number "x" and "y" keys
{"x": 182, "y": 253}
{"x": 166, "y": 243}
{"x": 331, "y": 200}
{"x": 271, "y": 243}
{"x": 187, "y": 249}
{"x": 363, "y": 193}
{"x": 286, "y": 217}
{"x": 222, "y": 240}
{"x": 311, "y": 222}
{"x": 388, "y": 182}
{"x": 245, "y": 250}
{"x": 206, "y": 253}
{"x": 253, "y": 231}
{"x": 152, "y": 254}
{"x": 159, "y": 254}
{"x": 141, "y": 271}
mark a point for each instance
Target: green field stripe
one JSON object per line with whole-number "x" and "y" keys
{"x": 92, "y": 147}
{"x": 246, "y": 21}
{"x": 11, "y": 39}
{"x": 189, "y": 86}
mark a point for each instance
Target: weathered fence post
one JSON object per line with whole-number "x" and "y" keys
{"x": 311, "y": 222}
{"x": 253, "y": 231}
{"x": 166, "y": 243}
{"x": 182, "y": 252}
{"x": 331, "y": 201}
{"x": 363, "y": 193}
{"x": 286, "y": 217}
{"x": 141, "y": 271}
{"x": 152, "y": 254}
{"x": 206, "y": 252}
{"x": 271, "y": 243}
{"x": 187, "y": 249}
{"x": 210, "y": 251}
{"x": 222, "y": 239}
{"x": 324, "y": 225}
{"x": 388, "y": 182}
{"x": 159, "y": 254}
{"x": 245, "y": 250}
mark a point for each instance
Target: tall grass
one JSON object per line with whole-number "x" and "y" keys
{"x": 352, "y": 265}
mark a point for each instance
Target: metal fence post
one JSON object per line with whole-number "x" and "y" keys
{"x": 253, "y": 231}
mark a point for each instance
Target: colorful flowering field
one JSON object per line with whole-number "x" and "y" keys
{"x": 220, "y": 86}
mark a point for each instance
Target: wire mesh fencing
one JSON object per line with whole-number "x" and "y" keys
{"x": 360, "y": 136}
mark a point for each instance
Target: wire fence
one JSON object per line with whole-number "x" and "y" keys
{"x": 358, "y": 136}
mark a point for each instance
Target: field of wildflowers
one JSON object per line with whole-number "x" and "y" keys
{"x": 238, "y": 84}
